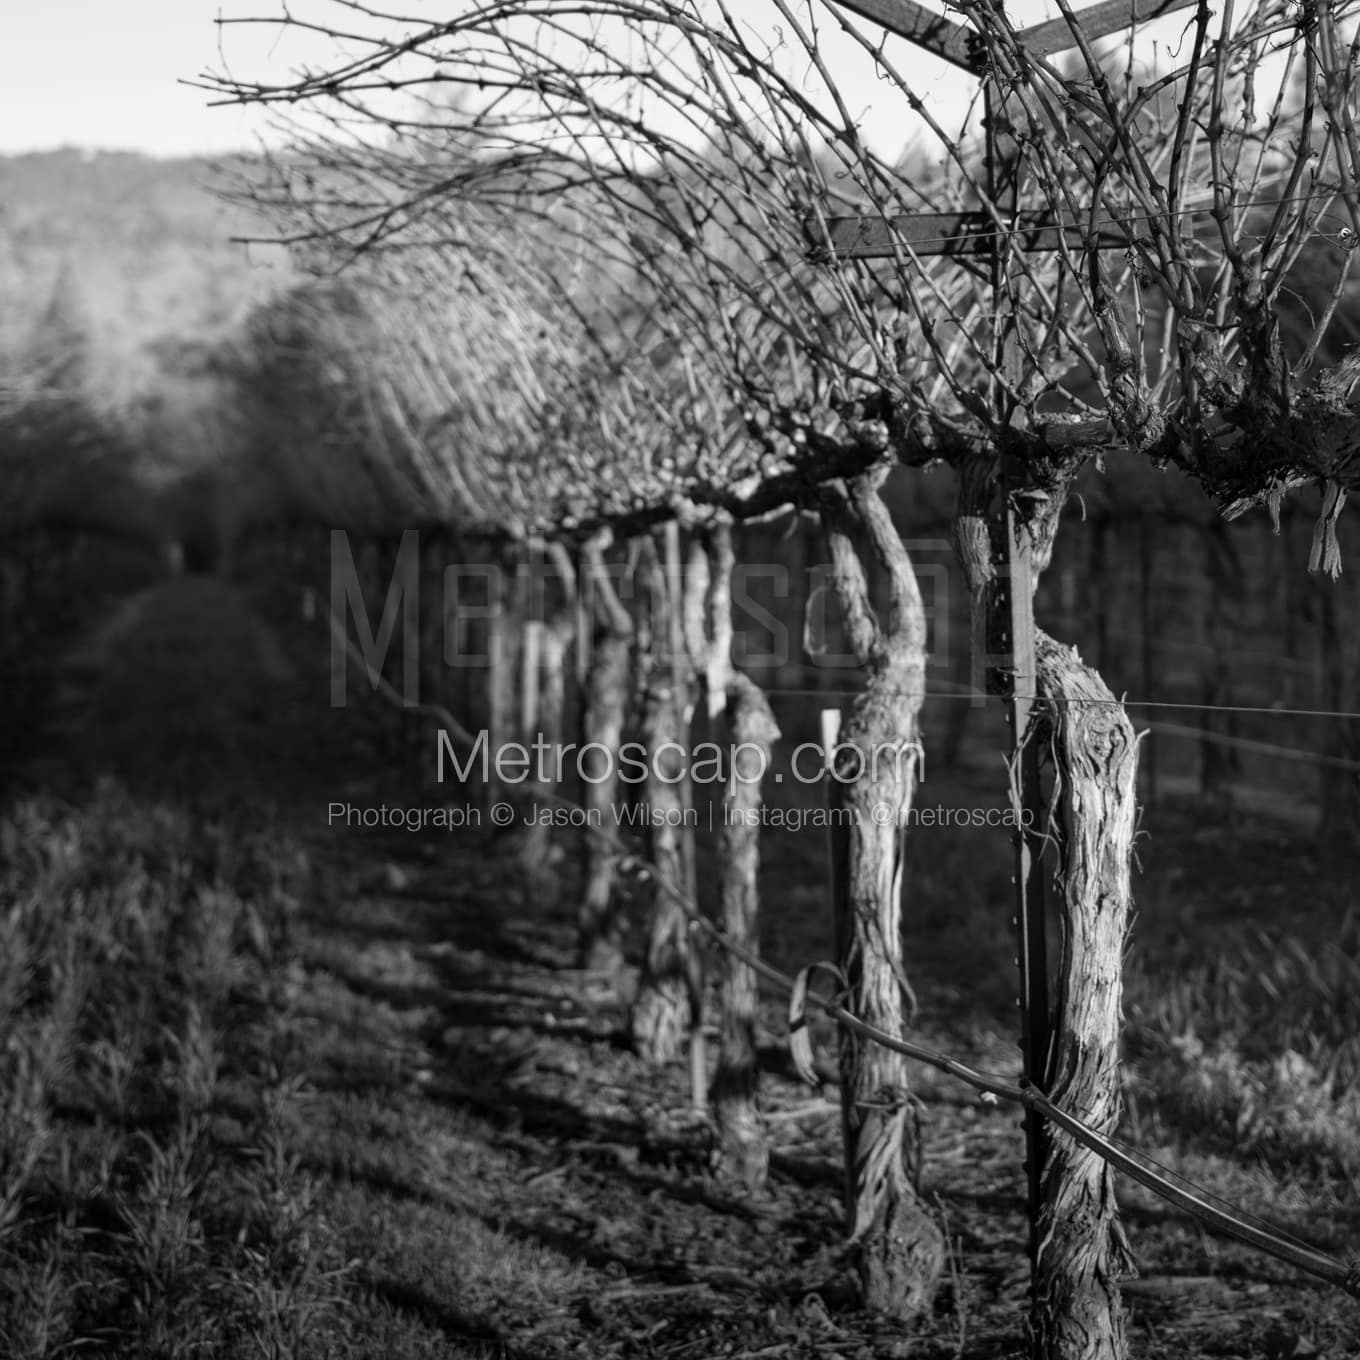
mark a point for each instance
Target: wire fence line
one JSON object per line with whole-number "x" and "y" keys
{"x": 963, "y": 692}
{"x": 1197, "y": 734}
{"x": 1230, "y": 1220}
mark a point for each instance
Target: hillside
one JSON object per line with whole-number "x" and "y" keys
{"x": 131, "y": 252}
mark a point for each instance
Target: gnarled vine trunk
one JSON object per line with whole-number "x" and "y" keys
{"x": 900, "y": 1246}
{"x": 660, "y": 1011}
{"x": 544, "y": 658}
{"x": 744, "y": 1150}
{"x": 600, "y": 921}
{"x": 751, "y": 731}
{"x": 1078, "y": 1314}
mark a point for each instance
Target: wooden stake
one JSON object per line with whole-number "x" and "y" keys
{"x": 530, "y": 673}
{"x": 1014, "y": 619}
{"x": 499, "y": 675}
{"x": 1014, "y": 616}
{"x": 838, "y": 869}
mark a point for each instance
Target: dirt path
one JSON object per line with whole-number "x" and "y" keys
{"x": 511, "y": 1176}
{"x": 528, "y": 1179}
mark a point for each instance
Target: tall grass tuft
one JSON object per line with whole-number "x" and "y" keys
{"x": 147, "y": 1208}
{"x": 1256, "y": 1048}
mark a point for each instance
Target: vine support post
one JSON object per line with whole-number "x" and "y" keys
{"x": 1011, "y": 639}
{"x": 500, "y": 649}
{"x": 838, "y": 867}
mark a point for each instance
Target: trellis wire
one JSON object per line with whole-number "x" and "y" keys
{"x": 966, "y": 693}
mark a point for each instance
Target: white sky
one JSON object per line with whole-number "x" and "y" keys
{"x": 103, "y": 73}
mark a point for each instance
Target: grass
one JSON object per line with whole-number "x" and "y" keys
{"x": 268, "y": 1100}
{"x": 172, "y": 1180}
{"x": 1255, "y": 1049}
{"x": 150, "y": 1204}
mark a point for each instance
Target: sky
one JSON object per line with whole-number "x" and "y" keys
{"x": 106, "y": 74}
{"x": 103, "y": 74}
